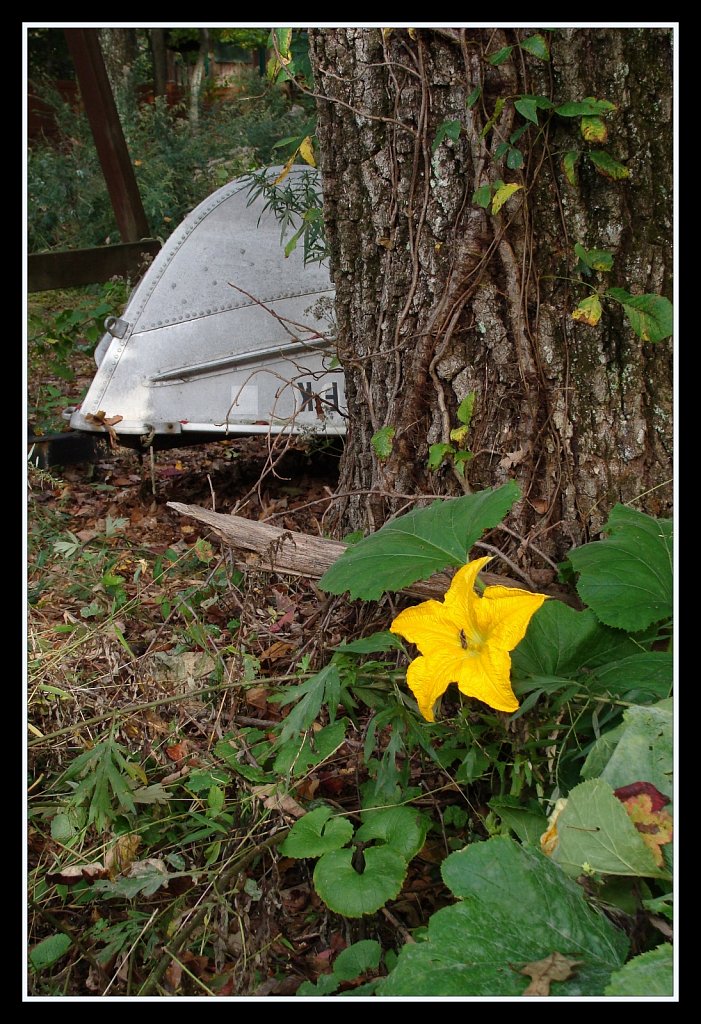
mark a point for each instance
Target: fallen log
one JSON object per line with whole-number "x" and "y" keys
{"x": 299, "y": 554}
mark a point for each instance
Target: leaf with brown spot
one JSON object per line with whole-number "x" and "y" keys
{"x": 555, "y": 967}
{"x": 655, "y": 827}
{"x": 588, "y": 311}
{"x": 658, "y": 800}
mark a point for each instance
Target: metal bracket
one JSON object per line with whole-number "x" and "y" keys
{"x": 116, "y": 327}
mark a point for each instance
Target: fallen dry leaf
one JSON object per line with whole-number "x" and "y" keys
{"x": 555, "y": 967}
{"x": 550, "y": 838}
{"x": 173, "y": 975}
{"x": 122, "y": 854}
{"x": 275, "y": 801}
{"x": 178, "y": 751}
{"x": 77, "y": 873}
{"x": 276, "y": 651}
{"x": 257, "y": 697}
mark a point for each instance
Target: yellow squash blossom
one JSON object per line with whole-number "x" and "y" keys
{"x": 466, "y": 639}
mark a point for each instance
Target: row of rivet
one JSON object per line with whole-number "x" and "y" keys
{"x": 223, "y": 309}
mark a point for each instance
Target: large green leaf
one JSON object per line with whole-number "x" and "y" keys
{"x": 561, "y": 642}
{"x": 518, "y": 908}
{"x": 639, "y": 678}
{"x": 644, "y": 751}
{"x": 651, "y": 316}
{"x": 314, "y": 834}
{"x": 626, "y": 579}
{"x": 418, "y": 544}
{"x": 650, "y": 974}
{"x": 346, "y": 891}
{"x": 595, "y": 832}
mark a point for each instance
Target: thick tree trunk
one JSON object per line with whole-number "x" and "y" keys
{"x": 437, "y": 297}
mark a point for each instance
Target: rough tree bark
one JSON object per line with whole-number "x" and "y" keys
{"x": 436, "y": 297}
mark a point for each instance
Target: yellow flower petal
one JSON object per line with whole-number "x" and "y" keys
{"x": 466, "y": 639}
{"x": 487, "y": 676}
{"x": 503, "y": 614}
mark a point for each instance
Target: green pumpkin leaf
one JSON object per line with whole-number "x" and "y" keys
{"x": 537, "y": 46}
{"x": 626, "y": 579}
{"x": 650, "y": 316}
{"x": 516, "y": 907}
{"x": 317, "y": 833}
{"x": 606, "y": 165}
{"x": 639, "y": 678}
{"x": 643, "y": 751}
{"x": 561, "y": 642}
{"x": 650, "y": 974}
{"x": 595, "y": 833}
{"x": 416, "y": 545}
{"x": 345, "y": 891}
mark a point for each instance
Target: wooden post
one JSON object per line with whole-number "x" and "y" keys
{"x": 107, "y": 132}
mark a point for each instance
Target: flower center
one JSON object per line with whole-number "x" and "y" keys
{"x": 471, "y": 643}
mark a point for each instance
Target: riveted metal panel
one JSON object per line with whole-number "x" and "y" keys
{"x": 224, "y": 333}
